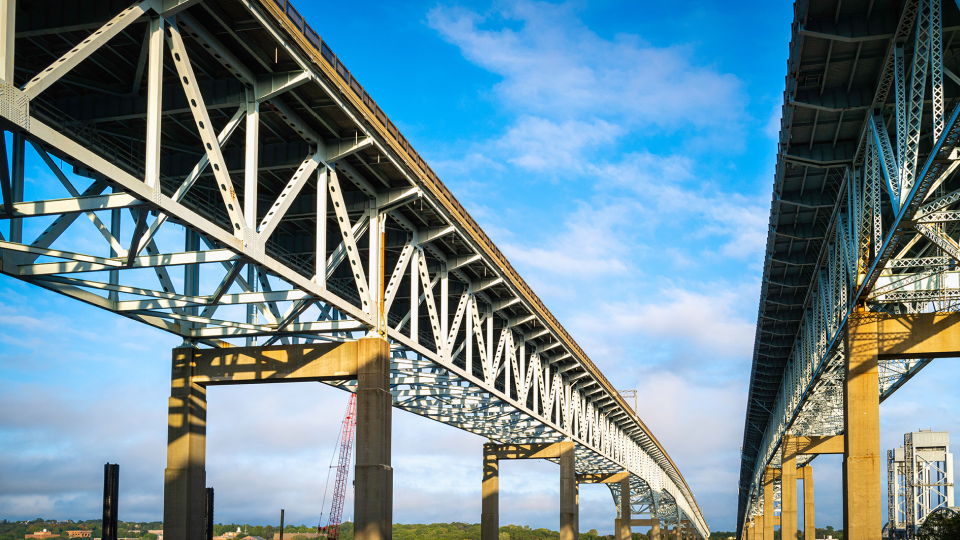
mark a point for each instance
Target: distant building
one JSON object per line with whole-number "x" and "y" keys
{"x": 290, "y": 535}
{"x": 158, "y": 532}
{"x": 42, "y": 534}
{"x": 80, "y": 534}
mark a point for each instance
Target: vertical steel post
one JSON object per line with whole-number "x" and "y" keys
{"x": 468, "y": 323}
{"x": 415, "y": 292}
{"x": 111, "y": 491}
{"x": 321, "y": 232}
{"x": 16, "y": 181}
{"x": 373, "y": 267}
{"x": 8, "y": 22}
{"x": 154, "y": 104}
{"x": 115, "y": 231}
{"x": 251, "y": 162}
{"x": 209, "y": 515}
{"x": 444, "y": 312}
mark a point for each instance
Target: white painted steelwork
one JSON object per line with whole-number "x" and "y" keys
{"x": 320, "y": 222}
{"x": 864, "y": 210}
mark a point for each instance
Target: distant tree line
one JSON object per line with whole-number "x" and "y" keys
{"x": 16, "y": 530}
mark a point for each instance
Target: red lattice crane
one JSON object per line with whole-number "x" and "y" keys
{"x": 343, "y": 469}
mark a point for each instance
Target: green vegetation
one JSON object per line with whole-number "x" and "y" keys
{"x": 16, "y": 530}
{"x": 436, "y": 531}
{"x": 940, "y": 527}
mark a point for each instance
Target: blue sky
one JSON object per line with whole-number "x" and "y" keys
{"x": 620, "y": 154}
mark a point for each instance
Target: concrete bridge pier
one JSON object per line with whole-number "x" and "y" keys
{"x": 490, "y": 508}
{"x": 809, "y": 511}
{"x": 366, "y": 360}
{"x": 564, "y": 451}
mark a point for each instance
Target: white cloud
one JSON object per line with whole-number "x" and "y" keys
{"x": 589, "y": 245}
{"x": 539, "y": 144}
{"x": 680, "y": 193}
{"x": 552, "y": 63}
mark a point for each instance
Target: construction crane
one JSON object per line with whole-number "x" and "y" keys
{"x": 343, "y": 470}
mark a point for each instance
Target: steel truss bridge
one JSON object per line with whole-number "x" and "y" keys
{"x": 235, "y": 147}
{"x": 864, "y": 213}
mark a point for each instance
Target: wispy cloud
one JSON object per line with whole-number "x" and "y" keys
{"x": 538, "y": 144}
{"x": 554, "y": 65}
{"x": 588, "y": 245}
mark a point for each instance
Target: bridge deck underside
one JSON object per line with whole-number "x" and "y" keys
{"x": 862, "y": 208}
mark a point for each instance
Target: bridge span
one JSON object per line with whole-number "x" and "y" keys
{"x": 217, "y": 172}
{"x": 860, "y": 284}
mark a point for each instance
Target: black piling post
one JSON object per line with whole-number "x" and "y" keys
{"x": 111, "y": 489}
{"x": 209, "y": 529}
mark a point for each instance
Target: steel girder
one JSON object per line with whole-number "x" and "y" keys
{"x": 888, "y": 242}
{"x": 318, "y": 223}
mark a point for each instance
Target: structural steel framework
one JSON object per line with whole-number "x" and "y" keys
{"x": 919, "y": 481}
{"x": 864, "y": 211}
{"x": 225, "y": 139}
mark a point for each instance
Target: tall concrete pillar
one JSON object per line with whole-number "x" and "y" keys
{"x": 373, "y": 505}
{"x": 626, "y": 514}
{"x": 769, "y": 475}
{"x": 655, "y": 528}
{"x": 490, "y": 516}
{"x": 568, "y": 491}
{"x": 809, "y": 511}
{"x": 862, "y": 460}
{"x": 184, "y": 489}
{"x": 758, "y": 527}
{"x": 788, "y": 489}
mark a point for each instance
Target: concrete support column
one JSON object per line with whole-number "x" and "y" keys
{"x": 626, "y": 514}
{"x": 490, "y": 516}
{"x": 655, "y": 528}
{"x": 862, "y": 460}
{"x": 568, "y": 492}
{"x": 809, "y": 511}
{"x": 758, "y": 527}
{"x": 788, "y": 490}
{"x": 374, "y": 475}
{"x": 769, "y": 475}
{"x": 184, "y": 490}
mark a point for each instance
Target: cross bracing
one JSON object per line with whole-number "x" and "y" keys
{"x": 241, "y": 187}
{"x": 864, "y": 212}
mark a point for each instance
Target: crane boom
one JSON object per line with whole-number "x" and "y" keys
{"x": 343, "y": 469}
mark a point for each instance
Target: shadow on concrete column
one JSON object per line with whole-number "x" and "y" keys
{"x": 862, "y": 459}
{"x": 373, "y": 506}
{"x": 184, "y": 490}
{"x": 568, "y": 492}
{"x": 490, "y": 509}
